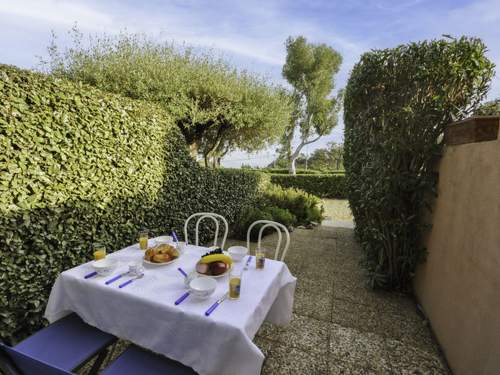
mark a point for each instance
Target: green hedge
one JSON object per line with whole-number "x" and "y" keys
{"x": 324, "y": 186}
{"x": 79, "y": 165}
{"x": 286, "y": 171}
{"x": 397, "y": 103}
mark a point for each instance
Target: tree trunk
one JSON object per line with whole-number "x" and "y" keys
{"x": 193, "y": 150}
{"x": 296, "y": 153}
{"x": 291, "y": 167}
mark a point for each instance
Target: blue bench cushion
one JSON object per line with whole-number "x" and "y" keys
{"x": 25, "y": 364}
{"x": 65, "y": 344}
{"x": 134, "y": 361}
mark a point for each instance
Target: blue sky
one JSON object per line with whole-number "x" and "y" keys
{"x": 251, "y": 33}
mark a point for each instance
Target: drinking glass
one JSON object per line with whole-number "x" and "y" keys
{"x": 235, "y": 282}
{"x": 143, "y": 239}
{"x": 99, "y": 251}
{"x": 260, "y": 258}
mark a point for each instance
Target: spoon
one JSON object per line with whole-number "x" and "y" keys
{"x": 129, "y": 281}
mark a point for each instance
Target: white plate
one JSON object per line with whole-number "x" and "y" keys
{"x": 159, "y": 264}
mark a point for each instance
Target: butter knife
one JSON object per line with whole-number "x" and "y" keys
{"x": 247, "y": 263}
{"x": 216, "y": 304}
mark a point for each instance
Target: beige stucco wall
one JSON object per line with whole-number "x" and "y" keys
{"x": 459, "y": 284}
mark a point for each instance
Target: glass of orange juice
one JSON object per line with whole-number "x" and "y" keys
{"x": 99, "y": 251}
{"x": 143, "y": 239}
{"x": 235, "y": 282}
{"x": 260, "y": 258}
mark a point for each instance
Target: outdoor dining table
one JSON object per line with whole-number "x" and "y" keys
{"x": 144, "y": 312}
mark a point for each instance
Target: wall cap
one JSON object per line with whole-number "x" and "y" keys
{"x": 471, "y": 130}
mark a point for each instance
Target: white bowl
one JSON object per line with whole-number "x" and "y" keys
{"x": 202, "y": 286}
{"x": 164, "y": 239}
{"x": 237, "y": 252}
{"x": 105, "y": 266}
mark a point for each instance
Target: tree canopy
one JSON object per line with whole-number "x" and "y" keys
{"x": 310, "y": 69}
{"x": 216, "y": 107}
{"x": 490, "y": 108}
{"x": 322, "y": 159}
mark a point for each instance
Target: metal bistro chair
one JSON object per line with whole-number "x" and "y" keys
{"x": 207, "y": 215}
{"x": 279, "y": 228}
{"x": 57, "y": 349}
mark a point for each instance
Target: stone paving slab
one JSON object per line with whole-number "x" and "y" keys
{"x": 340, "y": 325}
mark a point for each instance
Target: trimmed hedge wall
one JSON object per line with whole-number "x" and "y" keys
{"x": 286, "y": 171}
{"x": 324, "y": 186}
{"x": 78, "y": 166}
{"x": 396, "y": 105}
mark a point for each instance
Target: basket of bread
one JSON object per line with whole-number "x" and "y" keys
{"x": 161, "y": 254}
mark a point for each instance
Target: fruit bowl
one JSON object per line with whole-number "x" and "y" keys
{"x": 214, "y": 276}
{"x": 214, "y": 264}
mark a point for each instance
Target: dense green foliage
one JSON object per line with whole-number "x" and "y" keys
{"x": 284, "y": 205}
{"x": 287, "y": 172}
{"x": 304, "y": 206}
{"x": 310, "y": 70}
{"x": 397, "y": 103}
{"x": 78, "y": 166}
{"x": 491, "y": 108}
{"x": 322, "y": 159}
{"x": 216, "y": 108}
{"x": 322, "y": 185}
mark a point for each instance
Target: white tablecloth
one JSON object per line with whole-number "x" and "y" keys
{"x": 144, "y": 312}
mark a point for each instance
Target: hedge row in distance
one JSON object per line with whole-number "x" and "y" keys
{"x": 78, "y": 166}
{"x": 397, "y": 103}
{"x": 322, "y": 185}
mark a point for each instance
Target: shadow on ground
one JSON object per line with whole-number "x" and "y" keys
{"x": 339, "y": 325}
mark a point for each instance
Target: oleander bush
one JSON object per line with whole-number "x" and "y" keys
{"x": 79, "y": 165}
{"x": 396, "y": 105}
{"x": 322, "y": 185}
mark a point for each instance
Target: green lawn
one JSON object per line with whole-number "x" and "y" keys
{"x": 337, "y": 209}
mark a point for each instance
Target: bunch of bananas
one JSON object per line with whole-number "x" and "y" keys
{"x": 216, "y": 258}
{"x": 214, "y": 263}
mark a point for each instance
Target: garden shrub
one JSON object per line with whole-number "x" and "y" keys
{"x": 322, "y": 185}
{"x": 249, "y": 215}
{"x": 281, "y": 215}
{"x": 304, "y": 206}
{"x": 286, "y": 206}
{"x": 397, "y": 102}
{"x": 78, "y": 166}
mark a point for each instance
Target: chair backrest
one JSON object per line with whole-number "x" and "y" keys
{"x": 279, "y": 228}
{"x": 14, "y": 362}
{"x": 207, "y": 215}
